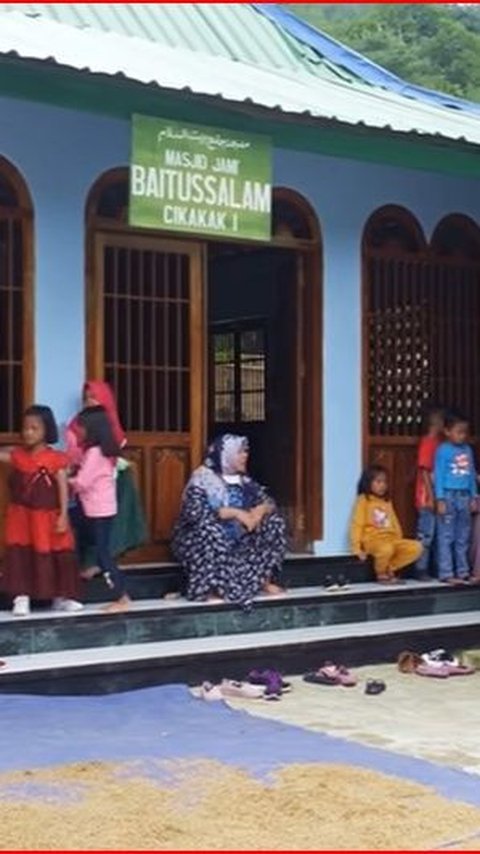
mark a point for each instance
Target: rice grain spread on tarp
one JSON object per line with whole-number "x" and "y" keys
{"x": 204, "y": 805}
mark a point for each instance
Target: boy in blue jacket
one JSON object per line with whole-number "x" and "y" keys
{"x": 455, "y": 486}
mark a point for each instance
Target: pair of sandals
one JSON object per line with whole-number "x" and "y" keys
{"x": 230, "y": 688}
{"x": 437, "y": 664}
{"x": 334, "y": 674}
{"x": 272, "y": 681}
{"x": 331, "y": 674}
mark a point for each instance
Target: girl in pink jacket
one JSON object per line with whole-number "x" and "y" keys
{"x": 95, "y": 486}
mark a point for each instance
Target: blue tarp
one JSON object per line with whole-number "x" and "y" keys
{"x": 359, "y": 65}
{"x": 168, "y": 723}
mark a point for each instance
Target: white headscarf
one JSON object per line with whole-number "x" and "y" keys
{"x": 219, "y": 468}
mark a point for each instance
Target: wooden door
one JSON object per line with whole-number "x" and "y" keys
{"x": 146, "y": 338}
{"x": 285, "y": 404}
{"x": 16, "y": 314}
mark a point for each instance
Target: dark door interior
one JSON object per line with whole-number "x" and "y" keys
{"x": 254, "y": 361}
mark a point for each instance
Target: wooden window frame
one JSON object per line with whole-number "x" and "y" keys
{"x": 450, "y": 347}
{"x": 236, "y": 328}
{"x": 24, "y": 214}
{"x": 427, "y": 253}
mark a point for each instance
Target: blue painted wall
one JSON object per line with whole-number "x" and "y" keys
{"x": 60, "y": 154}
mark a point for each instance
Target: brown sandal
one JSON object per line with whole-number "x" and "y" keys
{"x": 408, "y": 662}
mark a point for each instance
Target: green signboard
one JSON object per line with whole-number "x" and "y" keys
{"x": 199, "y": 180}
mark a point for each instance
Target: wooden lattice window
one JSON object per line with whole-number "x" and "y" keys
{"x": 145, "y": 286}
{"x": 239, "y": 356}
{"x": 422, "y": 320}
{"x": 16, "y": 359}
{"x": 146, "y": 335}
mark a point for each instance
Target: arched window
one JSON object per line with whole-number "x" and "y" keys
{"x": 396, "y": 318}
{"x": 16, "y": 321}
{"x": 292, "y": 217}
{"x": 421, "y": 335}
{"x": 108, "y": 199}
{"x": 457, "y": 237}
{"x": 454, "y": 302}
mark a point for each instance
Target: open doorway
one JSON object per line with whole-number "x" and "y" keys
{"x": 259, "y": 342}
{"x": 264, "y": 367}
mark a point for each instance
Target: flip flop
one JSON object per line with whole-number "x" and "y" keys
{"x": 373, "y": 687}
{"x": 459, "y": 669}
{"x": 435, "y": 671}
{"x": 319, "y": 678}
{"x": 210, "y": 693}
{"x": 331, "y": 674}
{"x": 347, "y": 679}
{"x": 408, "y": 661}
{"x": 337, "y": 586}
{"x": 231, "y": 688}
{"x": 438, "y": 657}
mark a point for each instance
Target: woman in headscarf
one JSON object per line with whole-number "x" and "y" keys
{"x": 129, "y": 529}
{"x": 229, "y": 537}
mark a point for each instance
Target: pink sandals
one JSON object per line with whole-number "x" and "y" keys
{"x": 230, "y": 688}
{"x": 331, "y": 674}
{"x": 437, "y": 664}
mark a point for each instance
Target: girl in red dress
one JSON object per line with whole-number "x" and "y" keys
{"x": 40, "y": 561}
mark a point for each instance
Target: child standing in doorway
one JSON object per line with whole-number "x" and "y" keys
{"x": 94, "y": 483}
{"x": 455, "y": 486}
{"x": 40, "y": 561}
{"x": 424, "y": 493}
{"x": 375, "y": 529}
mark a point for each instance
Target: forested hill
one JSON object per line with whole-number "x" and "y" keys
{"x": 431, "y": 45}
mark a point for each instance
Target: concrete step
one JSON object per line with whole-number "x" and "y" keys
{"x": 152, "y": 620}
{"x": 153, "y": 581}
{"x": 116, "y": 668}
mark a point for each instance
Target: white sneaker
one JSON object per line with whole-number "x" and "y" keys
{"x": 21, "y": 606}
{"x": 68, "y": 605}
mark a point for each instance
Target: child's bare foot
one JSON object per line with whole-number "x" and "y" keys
{"x": 90, "y": 572}
{"x": 214, "y": 599}
{"x": 117, "y": 607}
{"x": 272, "y": 589}
{"x": 175, "y": 595}
{"x": 387, "y": 578}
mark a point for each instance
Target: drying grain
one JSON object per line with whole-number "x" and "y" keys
{"x": 209, "y": 806}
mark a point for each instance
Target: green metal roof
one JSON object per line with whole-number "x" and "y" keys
{"x": 234, "y": 31}
{"x": 224, "y": 52}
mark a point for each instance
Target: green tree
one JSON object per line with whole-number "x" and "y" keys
{"x": 431, "y": 45}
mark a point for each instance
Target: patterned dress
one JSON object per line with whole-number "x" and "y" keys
{"x": 39, "y": 562}
{"x": 221, "y": 556}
